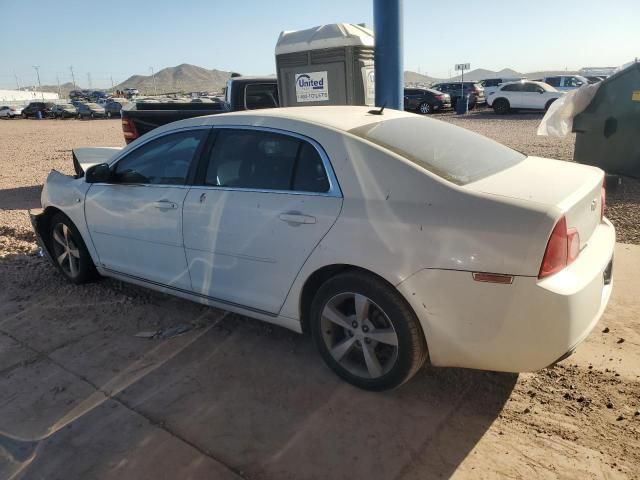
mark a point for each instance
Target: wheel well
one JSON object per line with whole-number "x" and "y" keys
{"x": 44, "y": 224}
{"x": 500, "y": 99}
{"x": 315, "y": 281}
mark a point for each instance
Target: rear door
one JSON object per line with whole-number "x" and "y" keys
{"x": 135, "y": 222}
{"x": 265, "y": 201}
{"x": 533, "y": 96}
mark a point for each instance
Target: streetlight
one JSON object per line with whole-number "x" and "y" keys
{"x": 37, "y": 68}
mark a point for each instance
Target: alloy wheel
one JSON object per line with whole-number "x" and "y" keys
{"x": 359, "y": 335}
{"x": 425, "y": 108}
{"x": 66, "y": 252}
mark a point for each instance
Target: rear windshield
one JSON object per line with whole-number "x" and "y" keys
{"x": 450, "y": 152}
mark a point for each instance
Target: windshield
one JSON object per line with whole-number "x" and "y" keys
{"x": 450, "y": 152}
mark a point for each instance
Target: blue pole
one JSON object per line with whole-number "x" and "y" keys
{"x": 387, "y": 27}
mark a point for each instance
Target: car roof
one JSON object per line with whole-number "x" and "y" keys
{"x": 336, "y": 117}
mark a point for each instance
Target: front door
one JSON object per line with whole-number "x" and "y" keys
{"x": 265, "y": 201}
{"x": 135, "y": 221}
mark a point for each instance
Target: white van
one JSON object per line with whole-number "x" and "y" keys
{"x": 566, "y": 82}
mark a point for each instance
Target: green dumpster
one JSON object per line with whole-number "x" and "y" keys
{"x": 608, "y": 130}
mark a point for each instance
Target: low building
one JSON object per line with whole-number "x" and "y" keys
{"x": 26, "y": 96}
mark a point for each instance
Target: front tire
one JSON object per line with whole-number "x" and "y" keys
{"x": 366, "y": 331}
{"x": 69, "y": 251}
{"x": 501, "y": 106}
{"x": 546, "y": 107}
{"x": 425, "y": 108}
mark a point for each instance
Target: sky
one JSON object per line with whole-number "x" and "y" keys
{"x": 119, "y": 38}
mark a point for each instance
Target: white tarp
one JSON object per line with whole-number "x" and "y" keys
{"x": 558, "y": 121}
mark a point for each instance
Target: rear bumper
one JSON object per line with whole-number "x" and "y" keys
{"x": 521, "y": 327}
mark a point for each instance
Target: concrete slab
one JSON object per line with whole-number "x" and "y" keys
{"x": 273, "y": 410}
{"x": 12, "y": 353}
{"x": 112, "y": 442}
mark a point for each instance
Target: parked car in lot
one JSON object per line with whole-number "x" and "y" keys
{"x": 10, "y": 112}
{"x": 393, "y": 238}
{"x": 523, "y": 95}
{"x": 490, "y": 85}
{"x": 426, "y": 100}
{"x": 90, "y": 110}
{"x": 456, "y": 89}
{"x": 113, "y": 107}
{"x": 241, "y": 93}
{"x": 63, "y": 110}
{"x": 594, "y": 79}
{"x": 33, "y": 108}
{"x": 565, "y": 82}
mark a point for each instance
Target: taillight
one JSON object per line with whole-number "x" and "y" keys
{"x": 603, "y": 200}
{"x": 563, "y": 248}
{"x": 439, "y": 97}
{"x": 129, "y": 129}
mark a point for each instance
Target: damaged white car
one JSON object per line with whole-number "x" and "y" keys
{"x": 394, "y": 239}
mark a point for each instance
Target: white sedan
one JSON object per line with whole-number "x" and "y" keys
{"x": 523, "y": 95}
{"x": 393, "y": 238}
{"x": 10, "y": 112}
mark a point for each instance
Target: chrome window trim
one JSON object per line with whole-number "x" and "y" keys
{"x": 124, "y": 152}
{"x": 334, "y": 186}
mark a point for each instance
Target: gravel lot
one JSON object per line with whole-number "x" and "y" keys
{"x": 271, "y": 409}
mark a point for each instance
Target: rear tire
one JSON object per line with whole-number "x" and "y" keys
{"x": 366, "y": 332}
{"x": 69, "y": 251}
{"x": 501, "y": 106}
{"x": 425, "y": 108}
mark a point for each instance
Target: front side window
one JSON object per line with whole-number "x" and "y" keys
{"x": 261, "y": 95}
{"x": 163, "y": 161}
{"x": 262, "y": 160}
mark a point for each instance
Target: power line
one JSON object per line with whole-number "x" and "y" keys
{"x": 37, "y": 68}
{"x": 73, "y": 77}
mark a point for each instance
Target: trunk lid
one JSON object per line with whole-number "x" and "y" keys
{"x": 572, "y": 188}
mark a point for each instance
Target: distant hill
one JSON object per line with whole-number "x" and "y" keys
{"x": 183, "y": 78}
{"x": 65, "y": 88}
{"x": 482, "y": 73}
{"x": 414, "y": 77}
{"x": 549, "y": 73}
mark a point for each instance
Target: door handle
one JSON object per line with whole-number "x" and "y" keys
{"x": 296, "y": 218}
{"x": 165, "y": 205}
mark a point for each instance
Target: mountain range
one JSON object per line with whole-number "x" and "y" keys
{"x": 191, "y": 78}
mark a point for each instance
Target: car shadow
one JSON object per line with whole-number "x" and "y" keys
{"x": 20, "y": 198}
{"x": 255, "y": 397}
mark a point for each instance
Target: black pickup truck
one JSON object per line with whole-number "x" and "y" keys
{"x": 241, "y": 93}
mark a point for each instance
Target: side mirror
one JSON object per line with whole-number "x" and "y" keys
{"x": 100, "y": 173}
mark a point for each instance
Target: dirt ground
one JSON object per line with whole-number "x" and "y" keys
{"x": 81, "y": 396}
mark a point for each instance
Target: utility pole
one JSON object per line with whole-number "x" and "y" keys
{"x": 111, "y": 82}
{"x": 58, "y": 80}
{"x": 153, "y": 75}
{"x": 73, "y": 78}
{"x": 17, "y": 83}
{"x": 89, "y": 80}
{"x": 37, "y": 69}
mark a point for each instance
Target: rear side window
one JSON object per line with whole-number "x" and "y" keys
{"x": 532, "y": 87}
{"x": 262, "y": 160}
{"x": 261, "y": 95}
{"x": 163, "y": 161}
{"x": 450, "y": 152}
{"x": 553, "y": 81}
{"x": 492, "y": 82}
{"x": 513, "y": 87}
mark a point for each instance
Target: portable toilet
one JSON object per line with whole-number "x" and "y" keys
{"x": 608, "y": 130}
{"x": 326, "y": 65}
